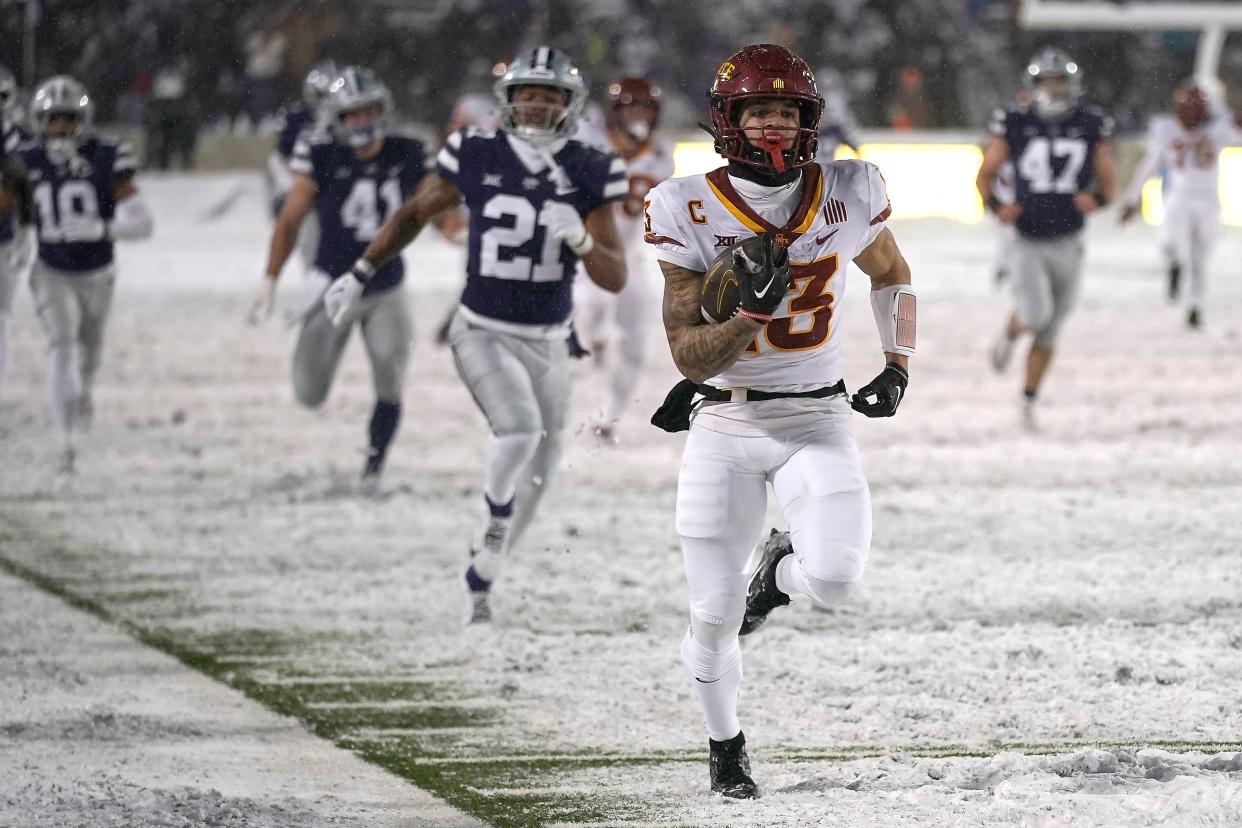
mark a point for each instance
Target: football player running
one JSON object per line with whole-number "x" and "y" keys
{"x": 1186, "y": 145}
{"x": 354, "y": 176}
{"x": 538, "y": 203}
{"x": 296, "y": 122}
{"x": 764, "y": 395}
{"x": 83, "y": 199}
{"x": 1063, "y": 165}
{"x": 617, "y": 326}
{"x": 16, "y": 245}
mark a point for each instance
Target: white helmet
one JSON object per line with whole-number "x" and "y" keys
{"x": 354, "y": 88}
{"x": 539, "y": 123}
{"x": 1053, "y": 63}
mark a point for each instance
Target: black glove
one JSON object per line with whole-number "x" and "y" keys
{"x": 888, "y": 389}
{"x": 762, "y": 268}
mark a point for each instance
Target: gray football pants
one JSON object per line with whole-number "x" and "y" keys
{"x": 522, "y": 387}
{"x": 384, "y": 321}
{"x": 1047, "y": 276}
{"x": 73, "y": 310}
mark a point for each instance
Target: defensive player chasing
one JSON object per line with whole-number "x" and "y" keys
{"x": 355, "y": 175}
{"x": 84, "y": 198}
{"x": 538, "y": 203}
{"x": 617, "y": 326}
{"x": 770, "y": 404}
{"x": 1186, "y": 145}
{"x": 1064, "y": 170}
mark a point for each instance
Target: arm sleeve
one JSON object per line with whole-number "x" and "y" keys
{"x": 302, "y": 162}
{"x": 448, "y": 159}
{"x": 1147, "y": 167}
{"x": 998, "y": 123}
{"x": 278, "y": 170}
{"x": 125, "y": 164}
{"x": 616, "y": 184}
{"x": 663, "y": 230}
{"x": 879, "y": 206}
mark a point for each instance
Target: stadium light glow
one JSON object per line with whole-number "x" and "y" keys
{"x": 1230, "y": 189}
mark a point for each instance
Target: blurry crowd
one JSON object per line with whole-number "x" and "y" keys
{"x": 179, "y": 67}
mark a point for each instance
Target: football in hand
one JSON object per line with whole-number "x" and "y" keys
{"x": 721, "y": 295}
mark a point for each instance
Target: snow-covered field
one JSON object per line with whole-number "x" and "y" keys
{"x": 1049, "y": 633}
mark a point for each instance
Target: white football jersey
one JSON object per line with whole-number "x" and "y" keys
{"x": 1190, "y": 158}
{"x": 844, "y": 206}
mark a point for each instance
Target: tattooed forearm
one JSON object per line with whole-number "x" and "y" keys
{"x": 702, "y": 352}
{"x": 699, "y": 351}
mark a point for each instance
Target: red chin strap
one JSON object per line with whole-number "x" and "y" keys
{"x": 774, "y": 148}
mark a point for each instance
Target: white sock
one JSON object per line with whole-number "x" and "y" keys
{"x": 717, "y": 677}
{"x": 788, "y": 577}
{"x": 65, "y": 389}
{"x": 620, "y": 380}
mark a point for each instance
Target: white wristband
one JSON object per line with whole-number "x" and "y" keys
{"x": 895, "y": 308}
{"x": 364, "y": 270}
{"x": 583, "y": 247}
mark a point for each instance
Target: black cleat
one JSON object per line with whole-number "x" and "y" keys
{"x": 1175, "y": 278}
{"x": 730, "y": 768}
{"x": 762, "y": 596}
{"x": 1193, "y": 321}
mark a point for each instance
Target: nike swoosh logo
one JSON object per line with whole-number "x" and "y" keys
{"x": 761, "y": 293}
{"x": 896, "y": 395}
{"x": 822, "y": 239}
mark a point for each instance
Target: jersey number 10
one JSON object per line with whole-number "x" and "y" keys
{"x": 1035, "y": 165}
{"x": 69, "y": 213}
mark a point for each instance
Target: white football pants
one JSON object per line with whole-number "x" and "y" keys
{"x": 73, "y": 310}
{"x": 616, "y": 328}
{"x": 817, "y": 477}
{"x": 384, "y": 321}
{"x": 522, "y": 387}
{"x": 1193, "y": 227}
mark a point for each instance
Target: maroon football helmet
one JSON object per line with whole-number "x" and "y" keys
{"x": 1191, "y": 105}
{"x": 764, "y": 70}
{"x": 630, "y": 91}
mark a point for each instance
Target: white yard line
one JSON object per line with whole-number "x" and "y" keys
{"x": 95, "y": 721}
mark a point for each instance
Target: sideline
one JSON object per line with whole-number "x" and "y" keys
{"x": 97, "y": 726}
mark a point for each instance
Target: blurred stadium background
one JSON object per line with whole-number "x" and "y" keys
{"x": 207, "y": 79}
{"x": 227, "y": 67}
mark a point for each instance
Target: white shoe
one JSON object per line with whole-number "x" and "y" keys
{"x": 1029, "y": 421}
{"x": 1002, "y": 351}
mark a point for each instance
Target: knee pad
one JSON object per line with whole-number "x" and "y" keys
{"x": 310, "y": 396}
{"x": 716, "y": 618}
{"x": 827, "y": 593}
{"x": 705, "y": 663}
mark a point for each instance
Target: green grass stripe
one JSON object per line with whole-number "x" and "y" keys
{"x": 410, "y": 747}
